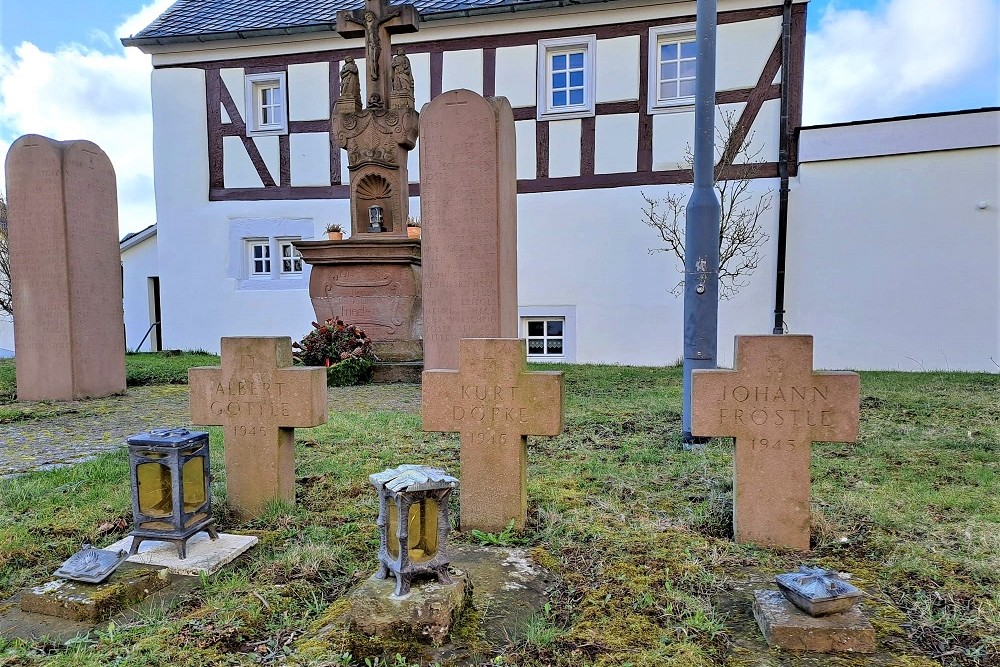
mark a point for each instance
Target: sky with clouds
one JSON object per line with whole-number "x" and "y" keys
{"x": 64, "y": 74}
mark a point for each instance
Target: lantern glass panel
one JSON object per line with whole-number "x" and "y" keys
{"x": 423, "y": 538}
{"x": 194, "y": 484}
{"x": 156, "y": 496}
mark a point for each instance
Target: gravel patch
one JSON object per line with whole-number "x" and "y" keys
{"x": 99, "y": 425}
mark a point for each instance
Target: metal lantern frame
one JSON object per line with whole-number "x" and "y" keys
{"x": 405, "y": 487}
{"x": 172, "y": 448}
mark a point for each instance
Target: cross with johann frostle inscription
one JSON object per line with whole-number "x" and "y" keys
{"x": 375, "y": 23}
{"x": 775, "y": 406}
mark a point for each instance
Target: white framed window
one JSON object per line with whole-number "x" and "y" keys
{"x": 291, "y": 259}
{"x": 673, "y": 57}
{"x": 545, "y": 337}
{"x": 259, "y": 258}
{"x": 566, "y": 77}
{"x": 266, "y": 104}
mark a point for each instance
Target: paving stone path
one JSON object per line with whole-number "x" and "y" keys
{"x": 87, "y": 427}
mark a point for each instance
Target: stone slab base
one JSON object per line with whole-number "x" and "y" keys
{"x": 16, "y": 623}
{"x": 786, "y": 626}
{"x": 92, "y": 603}
{"x": 403, "y": 371}
{"x": 204, "y": 555}
{"x": 428, "y": 611}
{"x": 398, "y": 350}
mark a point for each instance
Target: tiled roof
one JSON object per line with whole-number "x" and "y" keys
{"x": 201, "y": 20}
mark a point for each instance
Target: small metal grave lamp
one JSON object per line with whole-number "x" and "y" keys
{"x": 171, "y": 487}
{"x": 419, "y": 544}
{"x": 818, "y": 592}
{"x": 375, "y": 219}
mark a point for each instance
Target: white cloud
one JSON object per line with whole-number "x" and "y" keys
{"x": 880, "y": 62}
{"x": 80, "y": 93}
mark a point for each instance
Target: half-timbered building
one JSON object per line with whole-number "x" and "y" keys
{"x": 603, "y": 101}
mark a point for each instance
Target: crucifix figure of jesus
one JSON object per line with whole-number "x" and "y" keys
{"x": 375, "y": 23}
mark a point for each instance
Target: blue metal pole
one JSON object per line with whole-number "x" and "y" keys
{"x": 701, "y": 253}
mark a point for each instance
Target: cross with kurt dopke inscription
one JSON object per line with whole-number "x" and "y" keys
{"x": 495, "y": 403}
{"x": 259, "y": 400}
{"x": 776, "y": 407}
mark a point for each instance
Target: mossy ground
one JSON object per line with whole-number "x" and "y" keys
{"x": 635, "y": 529}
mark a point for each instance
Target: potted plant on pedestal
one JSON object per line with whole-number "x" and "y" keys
{"x": 413, "y": 228}
{"x": 334, "y": 232}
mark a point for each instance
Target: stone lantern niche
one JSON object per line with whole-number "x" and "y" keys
{"x": 413, "y": 523}
{"x": 171, "y": 487}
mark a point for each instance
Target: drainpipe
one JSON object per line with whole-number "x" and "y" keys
{"x": 783, "y": 159}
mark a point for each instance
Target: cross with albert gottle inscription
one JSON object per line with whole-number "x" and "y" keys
{"x": 375, "y": 23}
{"x": 494, "y": 403}
{"x": 775, "y": 406}
{"x": 259, "y": 399}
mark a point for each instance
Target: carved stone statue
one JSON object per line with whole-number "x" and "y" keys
{"x": 402, "y": 75}
{"x": 350, "y": 85}
{"x": 373, "y": 40}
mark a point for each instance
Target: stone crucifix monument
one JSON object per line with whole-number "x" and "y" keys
{"x": 259, "y": 399}
{"x": 495, "y": 403}
{"x": 775, "y": 406}
{"x": 372, "y": 279}
{"x": 65, "y": 269}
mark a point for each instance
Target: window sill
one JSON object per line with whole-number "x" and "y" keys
{"x": 276, "y": 132}
{"x": 566, "y": 115}
{"x": 674, "y": 107}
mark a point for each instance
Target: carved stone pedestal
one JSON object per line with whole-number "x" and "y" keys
{"x": 373, "y": 281}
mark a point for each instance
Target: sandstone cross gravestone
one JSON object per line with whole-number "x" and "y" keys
{"x": 776, "y": 407}
{"x": 65, "y": 269}
{"x": 494, "y": 402}
{"x": 468, "y": 202}
{"x": 260, "y": 400}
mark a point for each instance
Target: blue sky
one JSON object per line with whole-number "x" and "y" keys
{"x": 63, "y": 72}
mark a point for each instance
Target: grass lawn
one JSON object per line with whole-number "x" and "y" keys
{"x": 635, "y": 530}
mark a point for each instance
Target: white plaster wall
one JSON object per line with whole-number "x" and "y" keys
{"x": 564, "y": 147}
{"x": 617, "y": 69}
{"x": 615, "y": 139}
{"x": 270, "y": 152}
{"x": 6, "y": 336}
{"x": 139, "y": 264}
{"x": 743, "y": 49}
{"x": 420, "y": 66}
{"x": 309, "y": 158}
{"x": 237, "y": 171}
{"x": 309, "y": 91}
{"x": 462, "y": 69}
{"x": 764, "y": 135}
{"x": 515, "y": 74}
{"x": 235, "y": 82}
{"x": 673, "y": 133}
{"x": 200, "y": 303}
{"x": 524, "y": 136}
{"x": 891, "y": 264}
{"x": 604, "y": 269}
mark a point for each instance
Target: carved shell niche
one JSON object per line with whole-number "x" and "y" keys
{"x": 373, "y": 186}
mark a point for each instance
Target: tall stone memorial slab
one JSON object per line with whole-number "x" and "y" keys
{"x": 65, "y": 267}
{"x": 468, "y": 209}
{"x": 259, "y": 399}
{"x": 494, "y": 403}
{"x": 775, "y": 406}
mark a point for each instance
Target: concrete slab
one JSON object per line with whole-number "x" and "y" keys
{"x": 92, "y": 603}
{"x": 786, "y": 626}
{"x": 204, "y": 555}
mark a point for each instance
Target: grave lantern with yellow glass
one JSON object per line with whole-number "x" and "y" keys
{"x": 171, "y": 487}
{"x": 413, "y": 523}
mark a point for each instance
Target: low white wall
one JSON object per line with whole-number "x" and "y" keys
{"x": 892, "y": 264}
{"x": 6, "y": 336}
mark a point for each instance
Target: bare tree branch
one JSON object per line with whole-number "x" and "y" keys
{"x": 741, "y": 235}
{"x": 6, "y": 294}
